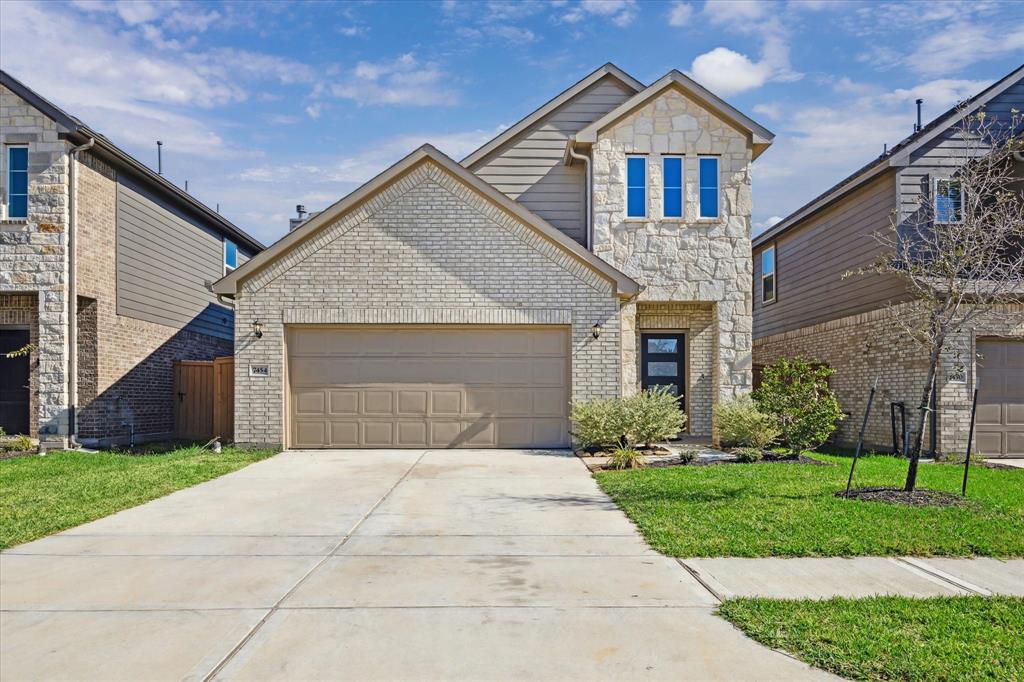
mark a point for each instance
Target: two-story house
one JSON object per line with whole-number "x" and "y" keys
{"x": 103, "y": 271}
{"x": 803, "y": 304}
{"x": 598, "y": 246}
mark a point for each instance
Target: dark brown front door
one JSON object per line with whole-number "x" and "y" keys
{"x": 662, "y": 360}
{"x": 14, "y": 391}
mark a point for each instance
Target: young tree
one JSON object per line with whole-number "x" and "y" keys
{"x": 961, "y": 250}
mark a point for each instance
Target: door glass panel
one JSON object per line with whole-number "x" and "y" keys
{"x": 662, "y": 369}
{"x": 662, "y": 345}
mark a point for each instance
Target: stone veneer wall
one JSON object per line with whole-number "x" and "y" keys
{"x": 33, "y": 255}
{"x": 425, "y": 249}
{"x": 22, "y": 310}
{"x": 125, "y": 365}
{"x": 688, "y": 259}
{"x": 862, "y": 347}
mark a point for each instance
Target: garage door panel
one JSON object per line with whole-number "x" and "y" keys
{"x": 1000, "y": 422}
{"x": 429, "y": 387}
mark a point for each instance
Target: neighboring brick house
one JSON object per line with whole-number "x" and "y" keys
{"x": 598, "y": 246}
{"x": 81, "y": 220}
{"x": 803, "y": 305}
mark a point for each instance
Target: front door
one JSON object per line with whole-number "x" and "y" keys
{"x": 663, "y": 363}
{"x": 14, "y": 390}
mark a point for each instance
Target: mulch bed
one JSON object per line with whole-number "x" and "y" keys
{"x": 918, "y": 498}
{"x": 11, "y": 454}
{"x": 773, "y": 458}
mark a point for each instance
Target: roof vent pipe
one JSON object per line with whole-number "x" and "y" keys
{"x": 301, "y": 210}
{"x": 918, "y": 102}
{"x": 159, "y": 158}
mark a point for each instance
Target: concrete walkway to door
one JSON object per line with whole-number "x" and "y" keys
{"x": 474, "y": 565}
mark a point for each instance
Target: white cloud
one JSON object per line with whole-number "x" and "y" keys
{"x": 962, "y": 44}
{"x": 353, "y": 31}
{"x": 726, "y": 72}
{"x": 939, "y": 94}
{"x": 400, "y": 81}
{"x": 762, "y": 225}
{"x": 730, "y": 12}
{"x": 772, "y": 110}
{"x": 679, "y": 14}
{"x": 619, "y": 12}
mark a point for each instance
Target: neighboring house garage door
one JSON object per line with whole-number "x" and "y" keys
{"x": 1000, "y": 420}
{"x": 416, "y": 386}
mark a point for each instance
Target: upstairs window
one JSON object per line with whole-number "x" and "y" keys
{"x": 636, "y": 186}
{"x": 948, "y": 204}
{"x": 672, "y": 177}
{"x": 230, "y": 256}
{"x": 708, "y": 166}
{"x": 768, "y": 275}
{"x": 17, "y": 182}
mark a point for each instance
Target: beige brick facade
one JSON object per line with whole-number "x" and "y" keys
{"x": 701, "y": 265}
{"x": 424, "y": 249}
{"x": 862, "y": 347}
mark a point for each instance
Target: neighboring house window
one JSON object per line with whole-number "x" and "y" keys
{"x": 768, "y": 275}
{"x": 636, "y": 186}
{"x": 948, "y": 204}
{"x": 672, "y": 179}
{"x": 230, "y": 256}
{"x": 17, "y": 182}
{"x": 708, "y": 166}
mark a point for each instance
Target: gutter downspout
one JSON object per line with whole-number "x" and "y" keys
{"x": 590, "y": 192}
{"x": 72, "y": 363}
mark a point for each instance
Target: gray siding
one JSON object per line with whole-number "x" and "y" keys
{"x": 529, "y": 167}
{"x": 941, "y": 155}
{"x": 811, "y": 259}
{"x": 163, "y": 261}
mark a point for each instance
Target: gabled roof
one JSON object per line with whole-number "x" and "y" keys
{"x": 761, "y": 137}
{"x": 608, "y": 69}
{"x": 896, "y": 157}
{"x": 625, "y": 286}
{"x": 72, "y": 127}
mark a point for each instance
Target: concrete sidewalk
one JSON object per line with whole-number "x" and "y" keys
{"x": 822, "y": 578}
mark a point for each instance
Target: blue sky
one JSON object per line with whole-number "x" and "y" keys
{"x": 262, "y": 106}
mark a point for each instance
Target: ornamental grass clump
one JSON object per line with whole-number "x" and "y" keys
{"x": 626, "y": 458}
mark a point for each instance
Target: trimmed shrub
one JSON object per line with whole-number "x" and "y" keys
{"x": 749, "y": 455}
{"x": 652, "y": 415}
{"x": 796, "y": 392}
{"x": 598, "y": 423}
{"x": 741, "y": 423}
{"x": 626, "y": 458}
{"x": 687, "y": 455}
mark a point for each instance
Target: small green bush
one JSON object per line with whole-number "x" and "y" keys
{"x": 652, "y": 415}
{"x": 626, "y": 458}
{"x": 749, "y": 455}
{"x": 796, "y": 392}
{"x": 641, "y": 419}
{"x": 599, "y": 422}
{"x": 741, "y": 424}
{"x": 687, "y": 455}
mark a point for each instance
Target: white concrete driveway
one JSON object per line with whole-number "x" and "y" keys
{"x": 482, "y": 565}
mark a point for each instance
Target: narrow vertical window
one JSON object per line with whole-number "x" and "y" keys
{"x": 768, "y": 275}
{"x": 708, "y": 166}
{"x": 17, "y": 182}
{"x": 636, "y": 186}
{"x": 672, "y": 177}
{"x": 948, "y": 203}
{"x": 230, "y": 256}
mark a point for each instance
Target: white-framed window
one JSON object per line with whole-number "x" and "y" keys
{"x": 708, "y": 189}
{"x": 948, "y": 201}
{"x": 672, "y": 186}
{"x": 230, "y": 256}
{"x": 636, "y": 186}
{"x": 17, "y": 181}
{"x": 768, "y": 275}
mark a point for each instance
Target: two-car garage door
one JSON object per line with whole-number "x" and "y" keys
{"x": 1000, "y": 421}
{"x": 416, "y": 386}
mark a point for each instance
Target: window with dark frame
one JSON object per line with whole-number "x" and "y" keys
{"x": 768, "y": 275}
{"x": 663, "y": 362}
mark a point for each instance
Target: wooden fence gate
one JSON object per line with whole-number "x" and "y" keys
{"x": 204, "y": 399}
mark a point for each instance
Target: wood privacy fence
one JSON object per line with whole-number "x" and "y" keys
{"x": 204, "y": 399}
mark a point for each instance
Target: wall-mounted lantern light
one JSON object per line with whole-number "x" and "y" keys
{"x": 257, "y": 329}
{"x": 596, "y": 329}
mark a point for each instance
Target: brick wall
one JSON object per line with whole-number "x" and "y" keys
{"x": 125, "y": 365}
{"x": 424, "y": 249}
{"x": 869, "y": 345}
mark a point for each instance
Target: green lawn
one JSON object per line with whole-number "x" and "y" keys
{"x": 43, "y": 495}
{"x": 790, "y": 510}
{"x": 893, "y": 638}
